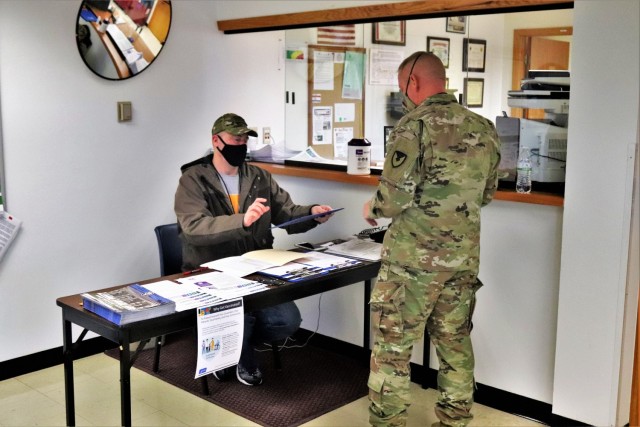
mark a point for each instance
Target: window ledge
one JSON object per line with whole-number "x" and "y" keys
{"x": 372, "y": 180}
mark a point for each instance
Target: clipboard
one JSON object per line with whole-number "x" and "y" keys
{"x": 305, "y": 218}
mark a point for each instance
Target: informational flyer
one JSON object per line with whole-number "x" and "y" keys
{"x": 342, "y": 136}
{"x": 322, "y": 70}
{"x": 322, "y": 127}
{"x": 220, "y": 333}
{"x": 353, "y": 78}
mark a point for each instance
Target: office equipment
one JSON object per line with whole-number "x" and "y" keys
{"x": 9, "y": 226}
{"x": 546, "y": 139}
{"x": 124, "y": 335}
{"x": 127, "y": 304}
{"x": 374, "y": 233}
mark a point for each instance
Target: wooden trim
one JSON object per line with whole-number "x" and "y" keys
{"x": 372, "y": 180}
{"x": 634, "y": 411}
{"x": 384, "y": 12}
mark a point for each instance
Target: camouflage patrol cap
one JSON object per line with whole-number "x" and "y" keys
{"x": 232, "y": 123}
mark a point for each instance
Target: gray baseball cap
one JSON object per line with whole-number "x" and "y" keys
{"x": 232, "y": 123}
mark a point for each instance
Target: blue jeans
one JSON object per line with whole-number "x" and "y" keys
{"x": 267, "y": 325}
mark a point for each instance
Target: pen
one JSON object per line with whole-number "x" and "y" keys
{"x": 197, "y": 270}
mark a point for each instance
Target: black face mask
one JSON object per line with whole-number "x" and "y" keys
{"x": 233, "y": 154}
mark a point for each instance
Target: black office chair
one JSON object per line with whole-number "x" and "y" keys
{"x": 170, "y": 249}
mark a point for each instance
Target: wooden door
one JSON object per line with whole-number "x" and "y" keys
{"x": 549, "y": 54}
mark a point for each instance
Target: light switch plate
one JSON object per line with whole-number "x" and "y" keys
{"x": 124, "y": 111}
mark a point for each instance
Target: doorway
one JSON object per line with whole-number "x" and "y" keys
{"x": 538, "y": 49}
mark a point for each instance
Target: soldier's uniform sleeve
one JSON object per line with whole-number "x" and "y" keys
{"x": 491, "y": 185}
{"x": 400, "y": 175}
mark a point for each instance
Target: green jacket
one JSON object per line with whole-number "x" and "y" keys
{"x": 210, "y": 230}
{"x": 441, "y": 168}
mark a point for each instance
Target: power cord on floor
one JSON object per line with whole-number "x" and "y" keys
{"x": 284, "y": 344}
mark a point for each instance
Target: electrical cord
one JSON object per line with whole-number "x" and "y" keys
{"x": 536, "y": 152}
{"x": 284, "y": 344}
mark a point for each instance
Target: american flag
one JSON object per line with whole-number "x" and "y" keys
{"x": 341, "y": 35}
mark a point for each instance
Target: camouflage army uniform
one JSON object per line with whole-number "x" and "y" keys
{"x": 441, "y": 167}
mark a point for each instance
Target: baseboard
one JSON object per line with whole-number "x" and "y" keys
{"x": 52, "y": 357}
{"x": 485, "y": 395}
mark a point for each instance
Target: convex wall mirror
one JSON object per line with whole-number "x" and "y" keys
{"x": 118, "y": 39}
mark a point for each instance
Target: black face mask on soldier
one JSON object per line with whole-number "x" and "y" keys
{"x": 233, "y": 154}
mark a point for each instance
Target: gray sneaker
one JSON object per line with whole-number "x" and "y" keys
{"x": 249, "y": 378}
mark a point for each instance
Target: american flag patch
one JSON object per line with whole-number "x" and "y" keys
{"x": 340, "y": 35}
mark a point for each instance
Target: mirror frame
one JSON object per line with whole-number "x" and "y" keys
{"x": 122, "y": 70}
{"x": 385, "y": 12}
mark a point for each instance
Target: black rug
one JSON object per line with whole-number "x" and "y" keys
{"x": 312, "y": 382}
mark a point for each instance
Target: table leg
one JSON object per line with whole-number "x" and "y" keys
{"x": 125, "y": 381}
{"x": 426, "y": 356}
{"x": 67, "y": 350}
{"x": 367, "y": 315}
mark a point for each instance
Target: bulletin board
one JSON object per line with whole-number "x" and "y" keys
{"x": 336, "y": 76}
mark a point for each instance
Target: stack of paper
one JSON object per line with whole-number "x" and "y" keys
{"x": 127, "y": 304}
{"x": 253, "y": 261}
{"x": 358, "y": 248}
{"x": 312, "y": 265}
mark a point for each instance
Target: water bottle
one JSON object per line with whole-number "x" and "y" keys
{"x": 523, "y": 180}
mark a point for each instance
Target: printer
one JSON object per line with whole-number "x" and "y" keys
{"x": 546, "y": 138}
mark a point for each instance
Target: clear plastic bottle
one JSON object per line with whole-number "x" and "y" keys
{"x": 523, "y": 179}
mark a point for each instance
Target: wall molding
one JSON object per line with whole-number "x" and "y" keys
{"x": 385, "y": 12}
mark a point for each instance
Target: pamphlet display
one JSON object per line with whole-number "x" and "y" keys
{"x": 127, "y": 304}
{"x": 220, "y": 333}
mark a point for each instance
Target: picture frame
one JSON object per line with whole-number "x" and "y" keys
{"x": 389, "y": 32}
{"x": 387, "y": 131}
{"x": 473, "y": 92}
{"x": 474, "y": 54}
{"x": 456, "y": 24}
{"x": 440, "y": 47}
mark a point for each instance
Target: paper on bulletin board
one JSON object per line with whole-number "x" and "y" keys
{"x": 353, "y": 78}
{"x": 345, "y": 112}
{"x": 322, "y": 127}
{"x": 322, "y": 70}
{"x": 342, "y": 136}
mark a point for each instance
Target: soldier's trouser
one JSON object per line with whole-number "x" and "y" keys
{"x": 401, "y": 303}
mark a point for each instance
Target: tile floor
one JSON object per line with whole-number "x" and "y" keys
{"x": 37, "y": 399}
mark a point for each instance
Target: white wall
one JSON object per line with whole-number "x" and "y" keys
{"x": 603, "y": 133}
{"x": 90, "y": 190}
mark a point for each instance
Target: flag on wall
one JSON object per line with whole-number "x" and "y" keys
{"x": 340, "y": 35}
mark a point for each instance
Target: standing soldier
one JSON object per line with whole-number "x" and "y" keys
{"x": 441, "y": 168}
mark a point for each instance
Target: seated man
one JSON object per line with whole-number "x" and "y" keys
{"x": 224, "y": 208}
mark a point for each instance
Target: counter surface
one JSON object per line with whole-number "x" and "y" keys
{"x": 330, "y": 175}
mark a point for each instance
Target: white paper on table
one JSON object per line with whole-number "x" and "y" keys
{"x": 186, "y": 295}
{"x": 216, "y": 280}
